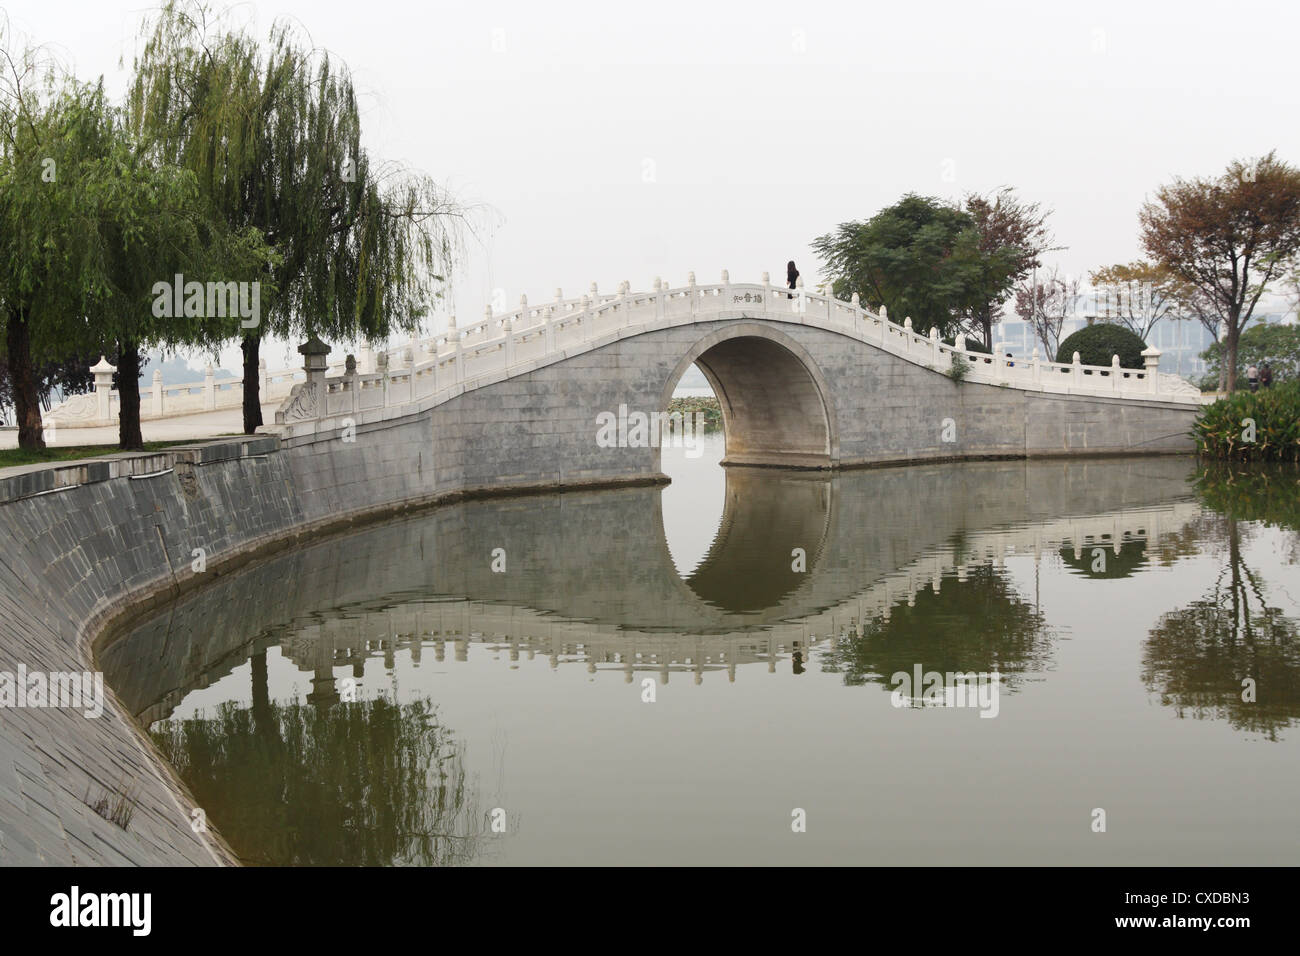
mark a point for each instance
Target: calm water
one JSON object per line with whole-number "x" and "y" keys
{"x": 394, "y": 696}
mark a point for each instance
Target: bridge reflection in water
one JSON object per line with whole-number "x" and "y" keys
{"x": 589, "y": 577}
{"x": 859, "y": 574}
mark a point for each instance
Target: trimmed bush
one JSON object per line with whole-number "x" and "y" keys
{"x": 1252, "y": 426}
{"x": 1097, "y": 343}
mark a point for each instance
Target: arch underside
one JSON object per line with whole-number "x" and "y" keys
{"x": 773, "y": 411}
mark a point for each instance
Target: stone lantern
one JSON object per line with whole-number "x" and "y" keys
{"x": 315, "y": 355}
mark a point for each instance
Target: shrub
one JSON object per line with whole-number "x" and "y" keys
{"x": 1097, "y": 343}
{"x": 1271, "y": 417}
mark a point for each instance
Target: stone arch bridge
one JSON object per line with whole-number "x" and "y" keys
{"x": 804, "y": 380}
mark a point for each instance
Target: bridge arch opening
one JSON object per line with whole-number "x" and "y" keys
{"x": 772, "y": 397}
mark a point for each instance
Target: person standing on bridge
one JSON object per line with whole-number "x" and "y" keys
{"x": 791, "y": 277}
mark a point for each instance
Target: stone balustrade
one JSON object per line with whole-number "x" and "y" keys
{"x": 433, "y": 370}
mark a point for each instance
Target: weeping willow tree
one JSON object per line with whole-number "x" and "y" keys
{"x": 46, "y": 119}
{"x": 273, "y": 135}
{"x": 88, "y": 225}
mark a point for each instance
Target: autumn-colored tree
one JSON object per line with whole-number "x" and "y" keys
{"x": 1227, "y": 238}
{"x": 1136, "y": 295}
{"x": 1013, "y": 235}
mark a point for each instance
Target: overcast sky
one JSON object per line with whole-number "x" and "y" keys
{"x": 624, "y": 141}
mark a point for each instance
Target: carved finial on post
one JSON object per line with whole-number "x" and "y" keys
{"x": 907, "y": 323}
{"x": 767, "y": 279}
{"x": 726, "y": 279}
{"x": 559, "y": 294}
{"x": 857, "y": 303}
{"x": 1151, "y": 361}
{"x": 884, "y": 313}
{"x": 690, "y": 279}
{"x": 594, "y": 293}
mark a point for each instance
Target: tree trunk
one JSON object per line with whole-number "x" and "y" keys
{"x": 252, "y": 384}
{"x": 1230, "y": 351}
{"x": 129, "y": 437}
{"x": 22, "y": 377}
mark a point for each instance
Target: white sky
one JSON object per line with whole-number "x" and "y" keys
{"x": 765, "y": 124}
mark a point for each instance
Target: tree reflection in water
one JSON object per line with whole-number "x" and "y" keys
{"x": 979, "y": 624}
{"x": 1200, "y": 658}
{"x": 370, "y": 783}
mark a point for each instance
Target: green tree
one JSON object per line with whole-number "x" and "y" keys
{"x": 1278, "y": 345}
{"x": 918, "y": 258}
{"x": 273, "y": 136}
{"x": 46, "y": 267}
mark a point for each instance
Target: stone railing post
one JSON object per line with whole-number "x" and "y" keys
{"x": 1076, "y": 374}
{"x": 209, "y": 388}
{"x": 907, "y": 334}
{"x": 350, "y": 380}
{"x": 381, "y": 366}
{"x": 458, "y": 363}
{"x": 934, "y": 345}
{"x": 585, "y": 319}
{"x": 1000, "y": 359}
{"x": 1151, "y": 359}
{"x": 367, "y": 361}
{"x": 1036, "y": 366}
{"x": 548, "y": 328}
{"x": 660, "y": 288}
{"x": 695, "y": 298}
{"x": 767, "y": 290}
{"x": 156, "y": 394}
{"x": 1116, "y": 375}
